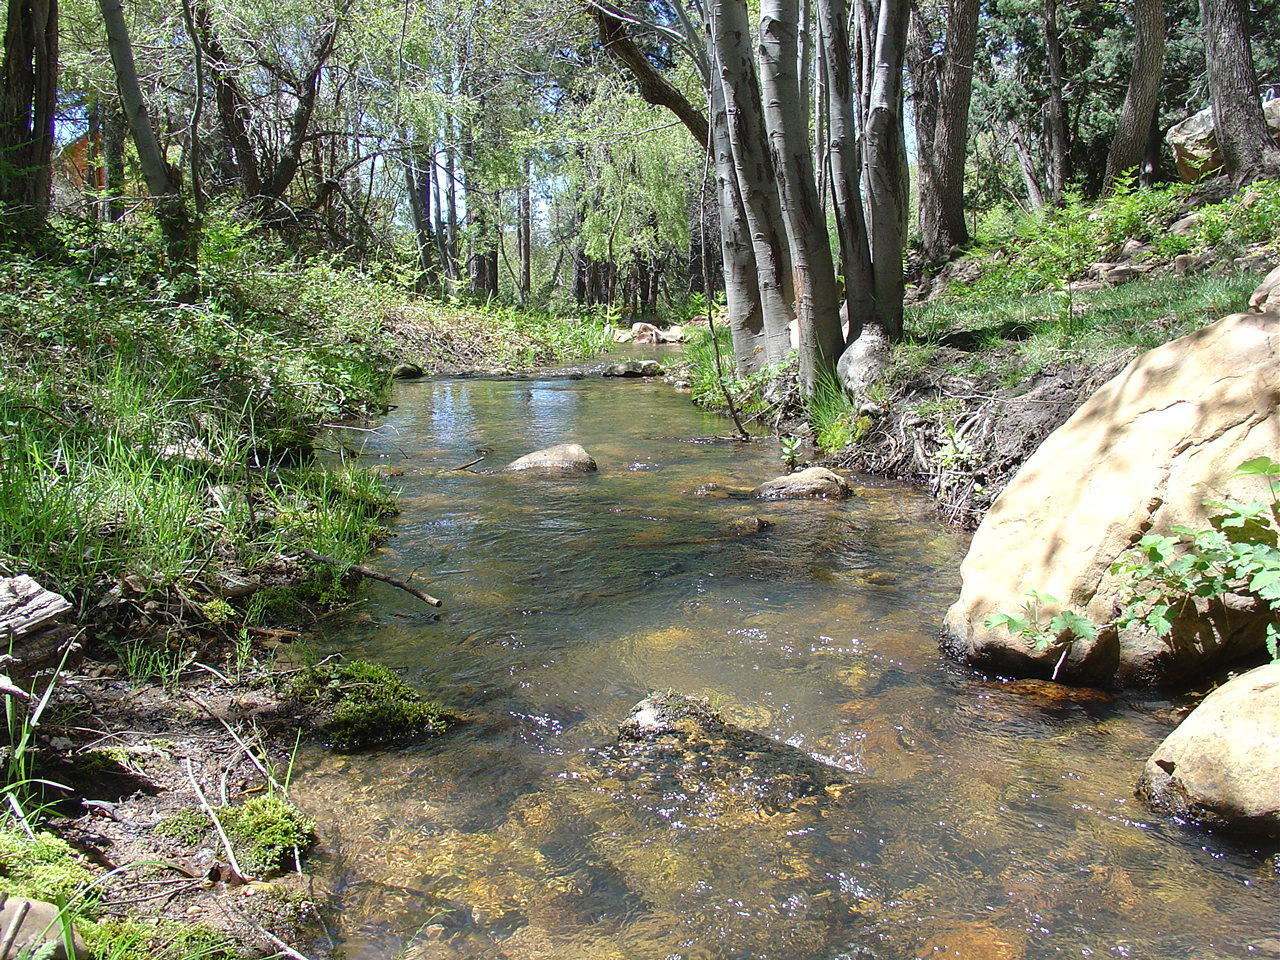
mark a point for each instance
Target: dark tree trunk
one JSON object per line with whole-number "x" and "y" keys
{"x": 1248, "y": 151}
{"x": 114, "y": 131}
{"x": 28, "y": 101}
{"x": 1057, "y": 160}
{"x": 1133, "y": 129}
{"x": 524, "y": 235}
{"x": 942, "y": 84}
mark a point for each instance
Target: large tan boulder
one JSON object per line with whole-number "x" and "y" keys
{"x": 1266, "y": 299}
{"x": 1141, "y": 455}
{"x": 1195, "y": 145}
{"x": 1221, "y": 766}
{"x": 562, "y": 459}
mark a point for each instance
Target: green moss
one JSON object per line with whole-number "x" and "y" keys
{"x": 266, "y": 831}
{"x": 367, "y": 705}
{"x": 187, "y": 826}
{"x": 45, "y": 868}
{"x": 165, "y": 940}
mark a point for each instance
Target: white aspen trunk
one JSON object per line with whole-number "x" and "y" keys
{"x": 742, "y": 294}
{"x": 845, "y": 169}
{"x": 787, "y": 123}
{"x": 734, "y": 68}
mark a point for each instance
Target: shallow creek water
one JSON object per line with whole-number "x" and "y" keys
{"x": 962, "y": 817}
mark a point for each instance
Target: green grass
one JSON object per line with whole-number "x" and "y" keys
{"x": 158, "y": 432}
{"x": 833, "y": 415}
{"x": 1021, "y": 336}
{"x": 1046, "y": 249}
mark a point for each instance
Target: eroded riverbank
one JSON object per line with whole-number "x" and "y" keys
{"x": 963, "y": 817}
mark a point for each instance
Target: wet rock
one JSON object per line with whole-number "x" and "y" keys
{"x": 813, "y": 483}
{"x": 1221, "y": 766}
{"x": 406, "y": 371}
{"x": 633, "y": 368}
{"x": 564, "y": 458}
{"x": 692, "y": 812}
{"x": 1266, "y": 299}
{"x": 386, "y": 471}
{"x": 745, "y": 526}
{"x": 40, "y": 932}
{"x": 1139, "y": 456}
{"x": 1058, "y": 696}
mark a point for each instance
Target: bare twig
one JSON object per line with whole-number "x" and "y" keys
{"x": 236, "y": 872}
{"x": 11, "y": 934}
{"x": 370, "y": 574}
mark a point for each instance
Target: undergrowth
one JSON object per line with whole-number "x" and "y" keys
{"x": 1045, "y": 249}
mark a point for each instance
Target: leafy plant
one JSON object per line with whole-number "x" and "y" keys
{"x": 1061, "y": 630}
{"x": 789, "y": 447}
{"x": 1239, "y": 553}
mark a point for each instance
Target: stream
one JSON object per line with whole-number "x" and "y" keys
{"x": 963, "y": 818}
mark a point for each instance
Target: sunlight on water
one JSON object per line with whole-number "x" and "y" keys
{"x": 880, "y": 802}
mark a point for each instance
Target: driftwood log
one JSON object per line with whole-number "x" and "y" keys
{"x": 30, "y": 632}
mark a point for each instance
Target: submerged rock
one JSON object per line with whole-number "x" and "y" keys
{"x": 564, "y": 458}
{"x": 1140, "y": 456}
{"x": 633, "y": 368}
{"x": 817, "y": 483}
{"x": 695, "y": 825}
{"x": 1221, "y": 766}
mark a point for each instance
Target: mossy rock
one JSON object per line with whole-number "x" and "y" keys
{"x": 186, "y": 827}
{"x": 363, "y": 705}
{"x": 44, "y": 868}
{"x": 267, "y": 832}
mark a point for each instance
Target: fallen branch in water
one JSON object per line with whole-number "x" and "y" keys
{"x": 483, "y": 451}
{"x": 371, "y": 574}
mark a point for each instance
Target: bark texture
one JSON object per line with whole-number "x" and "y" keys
{"x": 161, "y": 179}
{"x": 28, "y": 102}
{"x": 1248, "y": 151}
{"x": 941, "y": 66}
{"x": 787, "y": 122}
{"x": 1134, "y": 127}
{"x": 734, "y": 66}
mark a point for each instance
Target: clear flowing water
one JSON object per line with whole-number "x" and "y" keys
{"x": 958, "y": 816}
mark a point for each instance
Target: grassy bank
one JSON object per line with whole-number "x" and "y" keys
{"x": 161, "y": 431}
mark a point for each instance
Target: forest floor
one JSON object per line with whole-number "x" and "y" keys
{"x": 168, "y": 470}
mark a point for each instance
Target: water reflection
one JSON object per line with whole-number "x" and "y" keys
{"x": 959, "y": 817}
